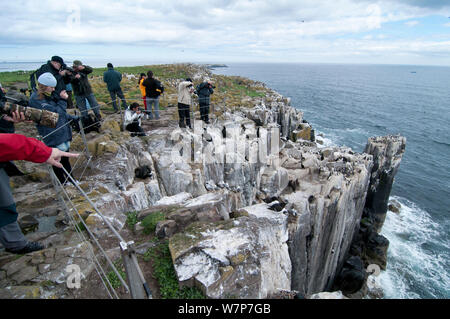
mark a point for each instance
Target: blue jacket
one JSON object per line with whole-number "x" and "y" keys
{"x": 61, "y": 135}
{"x": 112, "y": 79}
{"x": 204, "y": 90}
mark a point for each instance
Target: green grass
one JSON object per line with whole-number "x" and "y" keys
{"x": 131, "y": 219}
{"x": 149, "y": 222}
{"x": 113, "y": 278}
{"x": 14, "y": 76}
{"x": 164, "y": 273}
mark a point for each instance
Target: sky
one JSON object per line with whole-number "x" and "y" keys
{"x": 415, "y": 32}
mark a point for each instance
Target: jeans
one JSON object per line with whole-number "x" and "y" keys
{"x": 155, "y": 102}
{"x": 120, "y": 95}
{"x": 11, "y": 237}
{"x": 81, "y": 104}
{"x": 204, "y": 112}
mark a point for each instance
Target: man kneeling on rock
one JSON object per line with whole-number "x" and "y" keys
{"x": 19, "y": 147}
{"x": 132, "y": 121}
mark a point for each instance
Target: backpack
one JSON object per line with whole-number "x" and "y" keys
{"x": 33, "y": 81}
{"x": 159, "y": 87}
{"x": 90, "y": 124}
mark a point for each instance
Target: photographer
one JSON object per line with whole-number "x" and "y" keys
{"x": 132, "y": 121}
{"x": 60, "y": 136}
{"x": 83, "y": 91}
{"x": 19, "y": 147}
{"x": 153, "y": 89}
{"x": 185, "y": 91}
{"x": 57, "y": 68}
{"x": 204, "y": 91}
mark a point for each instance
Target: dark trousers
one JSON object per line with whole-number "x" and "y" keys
{"x": 204, "y": 112}
{"x": 59, "y": 171}
{"x": 135, "y": 129}
{"x": 81, "y": 104}
{"x": 69, "y": 100}
{"x": 119, "y": 93}
{"x": 183, "y": 113}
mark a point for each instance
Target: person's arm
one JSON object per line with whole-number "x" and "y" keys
{"x": 45, "y": 105}
{"x": 87, "y": 69}
{"x": 19, "y": 147}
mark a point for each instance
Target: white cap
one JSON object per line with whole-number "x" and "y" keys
{"x": 47, "y": 79}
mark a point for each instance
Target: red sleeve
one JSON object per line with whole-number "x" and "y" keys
{"x": 19, "y": 147}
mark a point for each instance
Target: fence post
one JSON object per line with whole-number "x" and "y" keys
{"x": 136, "y": 281}
{"x": 83, "y": 136}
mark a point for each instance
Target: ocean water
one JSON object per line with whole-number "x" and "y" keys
{"x": 347, "y": 104}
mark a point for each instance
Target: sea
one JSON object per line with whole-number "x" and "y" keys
{"x": 348, "y": 103}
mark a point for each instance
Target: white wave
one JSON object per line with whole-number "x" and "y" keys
{"x": 415, "y": 268}
{"x": 326, "y": 142}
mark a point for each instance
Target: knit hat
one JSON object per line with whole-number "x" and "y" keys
{"x": 47, "y": 79}
{"x": 109, "y": 65}
{"x": 77, "y": 63}
{"x": 57, "y": 59}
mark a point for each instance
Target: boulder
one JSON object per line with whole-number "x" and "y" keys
{"x": 242, "y": 258}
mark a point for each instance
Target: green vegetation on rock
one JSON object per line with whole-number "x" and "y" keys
{"x": 164, "y": 273}
{"x": 149, "y": 222}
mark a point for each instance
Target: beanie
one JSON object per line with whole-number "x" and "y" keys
{"x": 47, "y": 79}
{"x": 109, "y": 65}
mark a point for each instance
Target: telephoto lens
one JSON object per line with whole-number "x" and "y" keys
{"x": 41, "y": 117}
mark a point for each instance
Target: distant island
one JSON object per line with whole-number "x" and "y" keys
{"x": 213, "y": 66}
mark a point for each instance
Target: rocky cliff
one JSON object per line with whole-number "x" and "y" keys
{"x": 251, "y": 205}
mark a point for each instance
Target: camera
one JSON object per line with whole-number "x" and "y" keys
{"x": 41, "y": 117}
{"x": 68, "y": 68}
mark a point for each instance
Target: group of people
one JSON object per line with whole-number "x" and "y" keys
{"x": 52, "y": 85}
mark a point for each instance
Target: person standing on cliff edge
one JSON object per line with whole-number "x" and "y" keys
{"x": 112, "y": 79}
{"x": 83, "y": 91}
{"x": 204, "y": 91}
{"x": 185, "y": 91}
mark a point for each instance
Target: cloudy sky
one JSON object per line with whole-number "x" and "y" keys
{"x": 215, "y": 31}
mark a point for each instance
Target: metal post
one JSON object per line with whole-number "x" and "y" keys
{"x": 138, "y": 286}
{"x": 83, "y": 136}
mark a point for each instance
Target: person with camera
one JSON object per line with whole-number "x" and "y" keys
{"x": 112, "y": 79}
{"x": 204, "y": 91}
{"x": 60, "y": 136}
{"x": 132, "y": 120}
{"x": 18, "y": 147}
{"x": 185, "y": 92}
{"x": 57, "y": 68}
{"x": 83, "y": 91}
{"x": 153, "y": 89}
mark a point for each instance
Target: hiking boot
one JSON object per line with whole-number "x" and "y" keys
{"x": 29, "y": 247}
